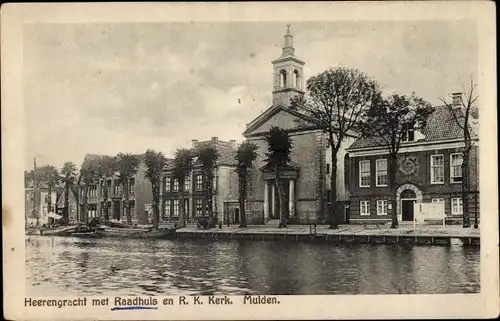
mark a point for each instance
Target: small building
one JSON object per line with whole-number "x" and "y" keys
{"x": 225, "y": 187}
{"x": 140, "y": 194}
{"x": 429, "y": 171}
{"x": 36, "y": 204}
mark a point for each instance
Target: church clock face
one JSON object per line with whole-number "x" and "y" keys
{"x": 408, "y": 166}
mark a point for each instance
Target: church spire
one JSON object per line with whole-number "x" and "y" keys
{"x": 288, "y": 77}
{"x": 288, "y": 49}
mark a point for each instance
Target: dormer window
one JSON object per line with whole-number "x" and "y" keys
{"x": 409, "y": 133}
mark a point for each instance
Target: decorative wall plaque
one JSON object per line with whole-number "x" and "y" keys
{"x": 408, "y": 165}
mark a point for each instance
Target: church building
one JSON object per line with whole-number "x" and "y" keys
{"x": 307, "y": 177}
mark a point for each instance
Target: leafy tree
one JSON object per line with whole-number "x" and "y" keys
{"x": 155, "y": 163}
{"x": 335, "y": 100}
{"x": 464, "y": 114}
{"x": 127, "y": 165}
{"x": 88, "y": 176}
{"x": 106, "y": 168}
{"x": 245, "y": 155}
{"x": 279, "y": 148}
{"x": 388, "y": 120}
{"x": 183, "y": 165}
{"x": 49, "y": 175}
{"x": 68, "y": 172}
{"x": 208, "y": 156}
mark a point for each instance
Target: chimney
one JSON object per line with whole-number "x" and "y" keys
{"x": 215, "y": 140}
{"x": 457, "y": 102}
{"x": 233, "y": 143}
{"x": 194, "y": 142}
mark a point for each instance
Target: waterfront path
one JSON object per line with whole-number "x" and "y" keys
{"x": 423, "y": 230}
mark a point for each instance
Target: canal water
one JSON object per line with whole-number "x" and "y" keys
{"x": 57, "y": 266}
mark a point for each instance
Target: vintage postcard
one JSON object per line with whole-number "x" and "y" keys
{"x": 288, "y": 160}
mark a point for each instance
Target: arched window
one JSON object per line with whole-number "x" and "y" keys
{"x": 282, "y": 78}
{"x": 296, "y": 79}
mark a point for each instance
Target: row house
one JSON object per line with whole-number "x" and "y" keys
{"x": 225, "y": 187}
{"x": 140, "y": 195}
{"x": 429, "y": 170}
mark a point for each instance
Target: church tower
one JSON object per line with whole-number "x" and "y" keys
{"x": 288, "y": 76}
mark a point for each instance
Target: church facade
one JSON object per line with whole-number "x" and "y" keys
{"x": 307, "y": 176}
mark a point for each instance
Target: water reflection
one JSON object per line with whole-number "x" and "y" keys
{"x": 57, "y": 266}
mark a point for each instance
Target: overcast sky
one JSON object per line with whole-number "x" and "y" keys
{"x": 109, "y": 88}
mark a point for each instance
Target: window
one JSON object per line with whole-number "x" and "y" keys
{"x": 381, "y": 207}
{"x": 437, "y": 169}
{"x": 186, "y": 207}
{"x": 117, "y": 187}
{"x": 199, "y": 206}
{"x": 92, "y": 191}
{"x": 199, "y": 182}
{"x": 215, "y": 183}
{"x": 456, "y": 206}
{"x": 437, "y": 201}
{"x": 176, "y": 208}
{"x": 296, "y": 79}
{"x": 364, "y": 173}
{"x": 328, "y": 168}
{"x": 328, "y": 196}
{"x": 167, "y": 184}
{"x": 456, "y": 167}
{"x": 365, "y": 207}
{"x": 283, "y": 78}
{"x": 187, "y": 184}
{"x": 381, "y": 168}
{"x": 131, "y": 186}
{"x": 176, "y": 185}
{"x": 168, "y": 210}
{"x": 409, "y": 133}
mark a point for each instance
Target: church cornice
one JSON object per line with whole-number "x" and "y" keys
{"x": 286, "y": 89}
{"x": 270, "y": 112}
{"x": 288, "y": 58}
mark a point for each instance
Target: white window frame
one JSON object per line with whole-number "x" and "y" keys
{"x": 176, "y": 208}
{"x": 176, "y": 185}
{"x": 364, "y": 208}
{"x": 199, "y": 182}
{"x": 451, "y": 168}
{"x": 382, "y": 206}
{"x": 377, "y": 172}
{"x": 187, "y": 184}
{"x": 361, "y": 173}
{"x": 432, "y": 167}
{"x": 168, "y": 184}
{"x": 460, "y": 205}
{"x": 168, "y": 208}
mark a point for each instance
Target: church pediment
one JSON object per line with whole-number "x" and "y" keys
{"x": 280, "y": 116}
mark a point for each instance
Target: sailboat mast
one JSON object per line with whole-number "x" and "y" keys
{"x": 35, "y": 191}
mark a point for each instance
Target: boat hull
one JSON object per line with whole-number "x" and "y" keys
{"x": 138, "y": 234}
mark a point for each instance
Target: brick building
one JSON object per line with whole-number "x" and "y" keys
{"x": 307, "y": 178}
{"x": 225, "y": 187}
{"x": 429, "y": 171}
{"x": 36, "y": 204}
{"x": 140, "y": 195}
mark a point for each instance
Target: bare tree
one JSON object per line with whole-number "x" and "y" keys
{"x": 463, "y": 111}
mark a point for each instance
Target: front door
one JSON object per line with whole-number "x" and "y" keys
{"x": 116, "y": 210}
{"x": 407, "y": 210}
{"x": 236, "y": 215}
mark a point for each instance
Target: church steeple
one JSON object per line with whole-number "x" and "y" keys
{"x": 288, "y": 77}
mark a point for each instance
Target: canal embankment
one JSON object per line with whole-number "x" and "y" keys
{"x": 406, "y": 234}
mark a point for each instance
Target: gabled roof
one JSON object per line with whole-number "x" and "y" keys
{"x": 440, "y": 126}
{"x": 269, "y": 113}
